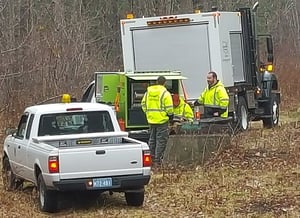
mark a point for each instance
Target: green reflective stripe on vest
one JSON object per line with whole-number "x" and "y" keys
{"x": 215, "y": 96}
{"x": 224, "y": 99}
{"x": 161, "y": 100}
{"x": 145, "y": 105}
{"x": 159, "y": 110}
{"x": 214, "y": 106}
{"x": 183, "y": 113}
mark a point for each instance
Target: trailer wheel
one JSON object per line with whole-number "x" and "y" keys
{"x": 47, "y": 198}
{"x": 242, "y": 114}
{"x": 135, "y": 198}
{"x": 273, "y": 109}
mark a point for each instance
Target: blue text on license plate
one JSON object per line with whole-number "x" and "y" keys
{"x": 102, "y": 182}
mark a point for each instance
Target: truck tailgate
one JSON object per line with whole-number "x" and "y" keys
{"x": 100, "y": 161}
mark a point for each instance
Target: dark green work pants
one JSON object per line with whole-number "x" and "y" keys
{"x": 158, "y": 141}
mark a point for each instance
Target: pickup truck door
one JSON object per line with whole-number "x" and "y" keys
{"x": 21, "y": 144}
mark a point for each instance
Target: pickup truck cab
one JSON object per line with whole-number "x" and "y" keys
{"x": 75, "y": 146}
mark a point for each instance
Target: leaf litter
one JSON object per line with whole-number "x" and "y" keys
{"x": 258, "y": 175}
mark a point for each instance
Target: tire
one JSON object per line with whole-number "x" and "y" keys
{"x": 273, "y": 109}
{"x": 8, "y": 176}
{"x": 10, "y": 181}
{"x": 47, "y": 198}
{"x": 242, "y": 114}
{"x": 135, "y": 198}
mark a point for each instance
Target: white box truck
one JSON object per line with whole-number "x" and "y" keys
{"x": 224, "y": 42}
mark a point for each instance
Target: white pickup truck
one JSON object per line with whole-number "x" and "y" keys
{"x": 75, "y": 146}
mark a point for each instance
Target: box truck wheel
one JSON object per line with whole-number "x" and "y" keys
{"x": 242, "y": 115}
{"x": 273, "y": 109}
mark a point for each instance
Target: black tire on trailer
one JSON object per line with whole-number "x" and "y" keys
{"x": 273, "y": 109}
{"x": 242, "y": 115}
{"x": 135, "y": 198}
{"x": 47, "y": 198}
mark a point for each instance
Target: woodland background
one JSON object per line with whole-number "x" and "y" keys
{"x": 51, "y": 47}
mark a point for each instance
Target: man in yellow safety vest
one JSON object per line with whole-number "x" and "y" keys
{"x": 214, "y": 98}
{"x": 182, "y": 110}
{"x": 158, "y": 107}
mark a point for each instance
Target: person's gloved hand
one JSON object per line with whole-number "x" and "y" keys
{"x": 171, "y": 117}
{"x": 197, "y": 103}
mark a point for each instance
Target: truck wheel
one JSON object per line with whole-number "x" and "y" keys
{"x": 9, "y": 178}
{"x": 273, "y": 109}
{"x": 242, "y": 113}
{"x": 47, "y": 198}
{"x": 135, "y": 198}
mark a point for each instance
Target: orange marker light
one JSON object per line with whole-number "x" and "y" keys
{"x": 198, "y": 115}
{"x": 129, "y": 16}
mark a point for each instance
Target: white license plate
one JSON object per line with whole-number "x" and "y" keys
{"x": 102, "y": 182}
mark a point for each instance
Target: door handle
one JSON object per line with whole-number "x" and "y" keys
{"x": 19, "y": 146}
{"x": 100, "y": 152}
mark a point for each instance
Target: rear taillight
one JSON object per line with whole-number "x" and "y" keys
{"x": 53, "y": 164}
{"x": 146, "y": 158}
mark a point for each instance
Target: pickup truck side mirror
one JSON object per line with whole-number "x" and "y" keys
{"x": 10, "y": 131}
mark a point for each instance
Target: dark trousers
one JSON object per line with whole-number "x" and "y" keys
{"x": 158, "y": 141}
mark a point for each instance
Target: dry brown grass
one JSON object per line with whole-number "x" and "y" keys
{"x": 287, "y": 69}
{"x": 257, "y": 177}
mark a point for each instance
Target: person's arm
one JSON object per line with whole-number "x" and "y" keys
{"x": 223, "y": 100}
{"x": 188, "y": 112}
{"x": 168, "y": 104}
{"x": 143, "y": 102}
{"x": 200, "y": 100}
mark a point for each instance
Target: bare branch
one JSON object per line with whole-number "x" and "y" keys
{"x": 49, "y": 99}
{"x": 4, "y": 108}
{"x": 2, "y": 7}
{"x": 20, "y": 45}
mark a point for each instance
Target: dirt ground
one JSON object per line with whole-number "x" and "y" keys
{"x": 258, "y": 176}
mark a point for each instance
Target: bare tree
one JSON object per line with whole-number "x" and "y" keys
{"x": 51, "y": 47}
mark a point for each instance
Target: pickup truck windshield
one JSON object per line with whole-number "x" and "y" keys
{"x": 75, "y": 123}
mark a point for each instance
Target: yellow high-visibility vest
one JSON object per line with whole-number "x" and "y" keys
{"x": 157, "y": 104}
{"x": 184, "y": 110}
{"x": 215, "y": 97}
